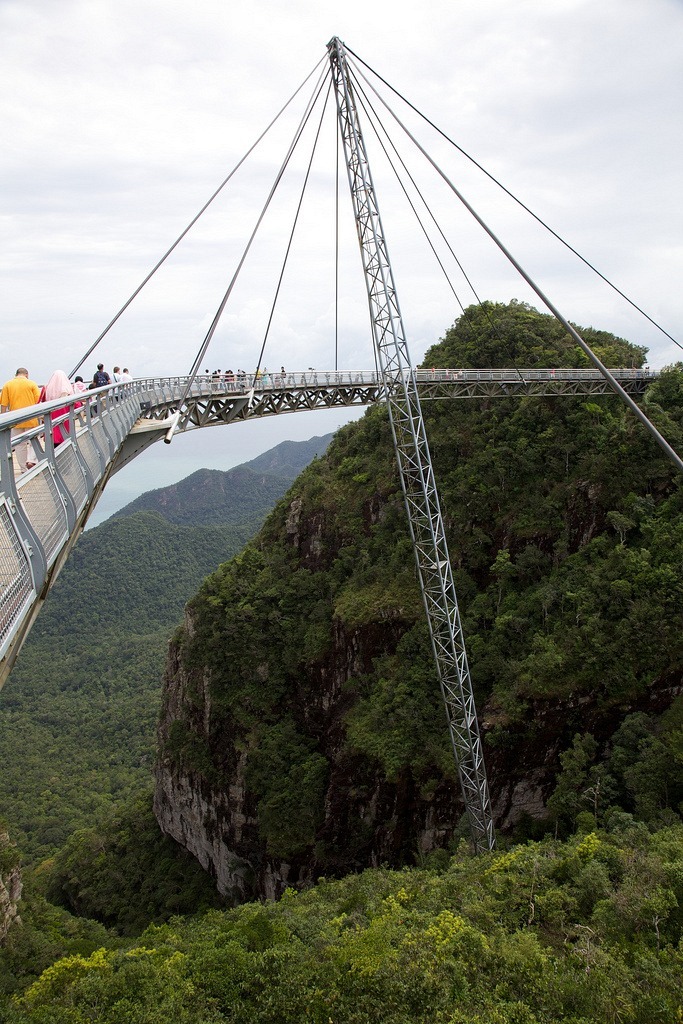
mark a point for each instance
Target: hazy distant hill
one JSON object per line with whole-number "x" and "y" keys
{"x": 212, "y": 497}
{"x": 78, "y": 714}
{"x": 290, "y": 457}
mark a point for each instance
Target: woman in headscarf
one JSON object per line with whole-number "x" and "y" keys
{"x": 58, "y": 386}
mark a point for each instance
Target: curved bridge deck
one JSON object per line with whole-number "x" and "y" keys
{"x": 43, "y": 511}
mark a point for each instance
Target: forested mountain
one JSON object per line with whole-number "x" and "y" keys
{"x": 302, "y": 737}
{"x": 78, "y": 715}
{"x": 290, "y": 457}
{"x": 239, "y": 496}
{"x": 302, "y": 731}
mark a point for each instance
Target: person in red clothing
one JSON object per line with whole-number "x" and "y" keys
{"x": 19, "y": 393}
{"x": 58, "y": 386}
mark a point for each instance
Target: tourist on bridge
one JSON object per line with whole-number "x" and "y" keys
{"x": 58, "y": 386}
{"x": 126, "y": 376}
{"x": 99, "y": 380}
{"x": 79, "y": 386}
{"x": 100, "y": 377}
{"x": 20, "y": 393}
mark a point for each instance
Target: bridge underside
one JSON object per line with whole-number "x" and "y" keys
{"x": 44, "y": 510}
{"x": 218, "y": 403}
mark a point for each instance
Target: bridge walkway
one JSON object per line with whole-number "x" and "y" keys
{"x": 44, "y": 510}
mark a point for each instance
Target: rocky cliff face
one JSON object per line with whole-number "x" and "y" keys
{"x": 302, "y": 733}
{"x": 10, "y": 886}
{"x": 363, "y": 815}
{"x": 367, "y": 820}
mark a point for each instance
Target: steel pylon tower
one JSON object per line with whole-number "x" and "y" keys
{"x": 415, "y": 466}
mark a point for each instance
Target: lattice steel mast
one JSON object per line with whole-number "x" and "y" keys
{"x": 415, "y": 465}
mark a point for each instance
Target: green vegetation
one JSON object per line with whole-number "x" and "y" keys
{"x": 566, "y": 536}
{"x": 126, "y": 874}
{"x": 582, "y": 931}
{"x": 288, "y": 778}
{"x": 79, "y": 712}
{"x": 641, "y": 771}
{"x": 78, "y": 715}
{"x": 45, "y": 935}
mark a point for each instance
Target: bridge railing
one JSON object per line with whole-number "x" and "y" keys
{"x": 72, "y": 447}
{"x": 244, "y": 382}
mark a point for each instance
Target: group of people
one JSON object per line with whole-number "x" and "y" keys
{"x": 101, "y": 377}
{"x": 20, "y": 392}
{"x": 230, "y": 378}
{"x": 241, "y": 379}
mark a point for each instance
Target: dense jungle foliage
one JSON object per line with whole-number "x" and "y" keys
{"x": 584, "y": 931}
{"x": 78, "y": 715}
{"x": 80, "y": 709}
{"x": 566, "y": 537}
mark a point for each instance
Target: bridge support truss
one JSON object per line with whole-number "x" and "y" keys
{"x": 414, "y": 461}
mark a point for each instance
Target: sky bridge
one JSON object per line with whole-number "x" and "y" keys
{"x": 43, "y": 511}
{"x": 213, "y": 400}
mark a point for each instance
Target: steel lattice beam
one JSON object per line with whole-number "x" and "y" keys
{"x": 415, "y": 465}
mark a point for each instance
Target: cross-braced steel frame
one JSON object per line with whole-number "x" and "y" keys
{"x": 415, "y": 466}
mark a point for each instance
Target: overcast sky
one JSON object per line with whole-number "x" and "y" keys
{"x": 121, "y": 117}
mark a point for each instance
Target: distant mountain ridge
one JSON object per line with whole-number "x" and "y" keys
{"x": 212, "y": 497}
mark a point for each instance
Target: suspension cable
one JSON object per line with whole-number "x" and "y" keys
{"x": 519, "y": 202}
{"x": 367, "y": 107}
{"x": 613, "y": 382}
{"x": 336, "y": 252}
{"x": 210, "y": 333}
{"x": 296, "y": 219}
{"x": 493, "y": 324}
{"x": 180, "y": 237}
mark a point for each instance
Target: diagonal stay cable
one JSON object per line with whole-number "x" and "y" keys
{"x": 336, "y": 254}
{"x": 296, "y": 220}
{"x": 219, "y": 312}
{"x": 372, "y": 117}
{"x": 519, "y": 202}
{"x": 569, "y": 328}
{"x": 367, "y": 107}
{"x": 194, "y": 220}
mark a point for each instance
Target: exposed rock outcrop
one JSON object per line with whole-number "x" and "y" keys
{"x": 365, "y": 820}
{"x": 10, "y": 885}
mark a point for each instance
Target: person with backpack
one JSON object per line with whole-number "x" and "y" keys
{"x": 100, "y": 377}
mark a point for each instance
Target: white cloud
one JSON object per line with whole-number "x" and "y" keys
{"x": 120, "y": 117}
